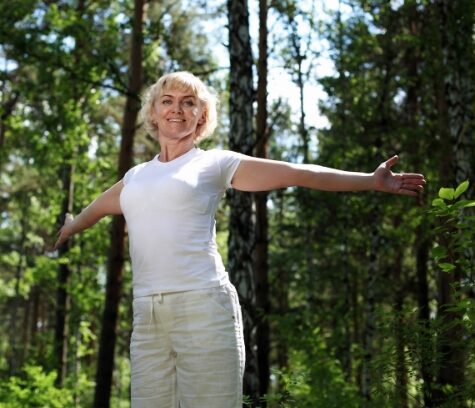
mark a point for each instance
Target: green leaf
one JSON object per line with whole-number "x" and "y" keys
{"x": 470, "y": 204}
{"x": 461, "y": 203}
{"x": 438, "y": 202}
{"x": 447, "y": 267}
{"x": 439, "y": 252}
{"x": 447, "y": 193}
{"x": 461, "y": 189}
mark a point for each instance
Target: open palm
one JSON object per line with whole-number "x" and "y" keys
{"x": 398, "y": 183}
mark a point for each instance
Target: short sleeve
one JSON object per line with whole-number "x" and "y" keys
{"x": 131, "y": 172}
{"x": 228, "y": 163}
{"x": 127, "y": 177}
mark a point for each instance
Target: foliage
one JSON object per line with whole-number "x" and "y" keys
{"x": 455, "y": 231}
{"x": 346, "y": 270}
{"x": 34, "y": 389}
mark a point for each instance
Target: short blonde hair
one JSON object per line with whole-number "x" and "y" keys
{"x": 182, "y": 81}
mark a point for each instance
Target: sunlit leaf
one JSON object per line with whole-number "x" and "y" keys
{"x": 447, "y": 193}
{"x": 446, "y": 267}
{"x": 438, "y": 202}
{"x": 461, "y": 189}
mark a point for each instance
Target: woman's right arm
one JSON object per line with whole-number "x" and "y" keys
{"x": 106, "y": 204}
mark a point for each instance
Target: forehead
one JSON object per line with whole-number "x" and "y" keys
{"x": 178, "y": 85}
{"x": 177, "y": 93}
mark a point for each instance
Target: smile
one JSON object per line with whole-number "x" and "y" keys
{"x": 176, "y": 120}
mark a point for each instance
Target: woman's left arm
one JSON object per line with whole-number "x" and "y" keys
{"x": 255, "y": 174}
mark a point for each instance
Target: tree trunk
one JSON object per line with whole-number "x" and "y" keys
{"x": 261, "y": 262}
{"x": 105, "y": 365}
{"x": 14, "y": 358}
{"x": 401, "y": 392}
{"x": 374, "y": 271}
{"x": 456, "y": 21}
{"x": 345, "y": 349}
{"x": 281, "y": 297}
{"x": 64, "y": 272}
{"x": 369, "y": 309}
{"x": 295, "y": 42}
{"x": 35, "y": 313}
{"x": 413, "y": 111}
{"x": 241, "y": 229}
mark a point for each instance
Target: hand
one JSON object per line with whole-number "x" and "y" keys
{"x": 65, "y": 232}
{"x": 398, "y": 183}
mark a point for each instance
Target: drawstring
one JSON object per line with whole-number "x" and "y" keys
{"x": 159, "y": 296}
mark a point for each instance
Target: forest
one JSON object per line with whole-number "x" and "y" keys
{"x": 349, "y": 300}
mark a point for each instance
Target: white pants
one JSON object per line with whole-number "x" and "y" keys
{"x": 187, "y": 350}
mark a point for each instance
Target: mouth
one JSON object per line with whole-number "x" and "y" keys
{"x": 176, "y": 120}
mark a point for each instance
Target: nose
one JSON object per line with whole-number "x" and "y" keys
{"x": 176, "y": 107}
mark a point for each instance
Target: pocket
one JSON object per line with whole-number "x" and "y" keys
{"x": 141, "y": 311}
{"x": 222, "y": 299}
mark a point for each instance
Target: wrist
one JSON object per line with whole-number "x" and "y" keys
{"x": 373, "y": 185}
{"x": 71, "y": 226}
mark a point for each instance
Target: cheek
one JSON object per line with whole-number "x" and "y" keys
{"x": 154, "y": 113}
{"x": 157, "y": 110}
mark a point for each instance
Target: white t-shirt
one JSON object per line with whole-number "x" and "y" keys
{"x": 170, "y": 208}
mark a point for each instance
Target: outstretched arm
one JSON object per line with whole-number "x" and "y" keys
{"x": 262, "y": 175}
{"x": 106, "y": 204}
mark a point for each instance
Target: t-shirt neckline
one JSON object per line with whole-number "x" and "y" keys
{"x": 179, "y": 159}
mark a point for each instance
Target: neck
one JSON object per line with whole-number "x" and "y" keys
{"x": 174, "y": 149}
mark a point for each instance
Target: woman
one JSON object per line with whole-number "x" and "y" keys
{"x": 187, "y": 346}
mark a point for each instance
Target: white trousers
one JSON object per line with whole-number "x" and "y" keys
{"x": 187, "y": 350}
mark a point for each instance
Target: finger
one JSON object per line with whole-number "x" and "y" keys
{"x": 416, "y": 188}
{"x": 59, "y": 241}
{"x": 407, "y": 192}
{"x": 413, "y": 182}
{"x": 412, "y": 175}
{"x": 392, "y": 161}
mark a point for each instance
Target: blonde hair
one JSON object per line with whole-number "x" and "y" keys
{"x": 182, "y": 81}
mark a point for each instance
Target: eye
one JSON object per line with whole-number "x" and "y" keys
{"x": 166, "y": 101}
{"x": 189, "y": 102}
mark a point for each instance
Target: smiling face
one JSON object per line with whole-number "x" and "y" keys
{"x": 174, "y": 85}
{"x": 177, "y": 114}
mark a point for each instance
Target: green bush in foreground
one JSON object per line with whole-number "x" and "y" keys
{"x": 34, "y": 388}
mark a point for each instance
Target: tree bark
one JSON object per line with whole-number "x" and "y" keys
{"x": 14, "y": 358}
{"x": 345, "y": 349}
{"x": 261, "y": 249}
{"x": 369, "y": 309}
{"x": 401, "y": 392}
{"x": 374, "y": 271}
{"x": 241, "y": 226}
{"x": 64, "y": 272}
{"x": 115, "y": 264}
{"x": 456, "y": 20}
{"x": 35, "y": 313}
{"x": 412, "y": 61}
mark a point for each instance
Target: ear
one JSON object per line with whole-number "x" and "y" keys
{"x": 153, "y": 117}
{"x": 202, "y": 120}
